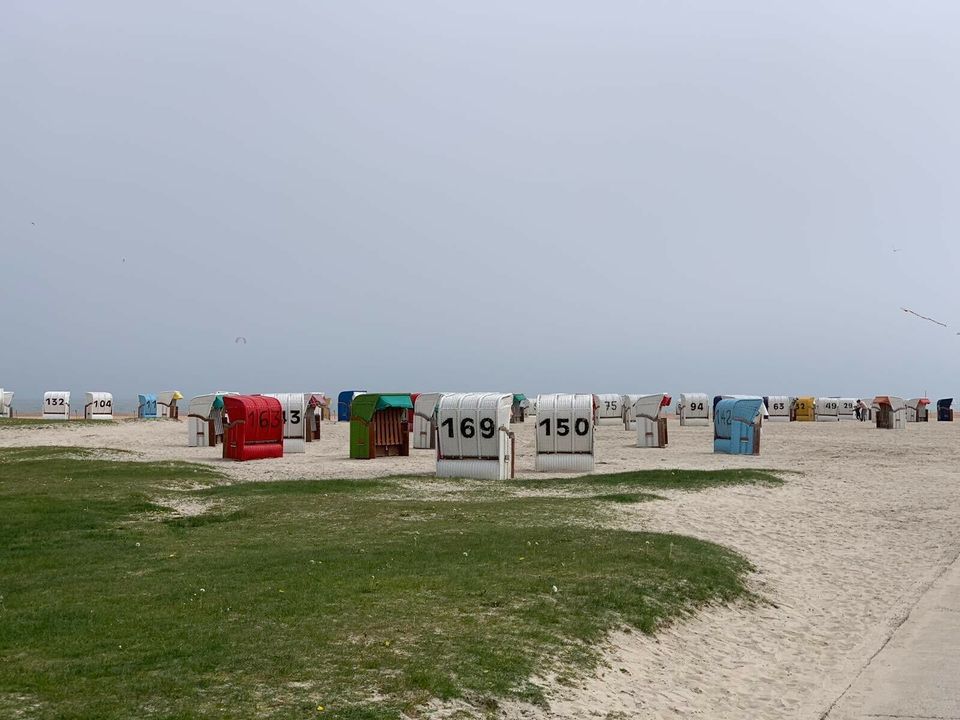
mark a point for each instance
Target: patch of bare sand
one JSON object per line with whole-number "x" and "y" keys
{"x": 187, "y": 506}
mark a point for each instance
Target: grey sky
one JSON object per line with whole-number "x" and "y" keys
{"x": 538, "y": 196}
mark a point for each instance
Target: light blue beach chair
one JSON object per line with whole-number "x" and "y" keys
{"x": 147, "y": 407}
{"x": 736, "y": 426}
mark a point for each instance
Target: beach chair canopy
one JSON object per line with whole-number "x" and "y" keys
{"x": 649, "y": 406}
{"x": 893, "y": 402}
{"x": 365, "y": 406}
{"x": 201, "y": 405}
{"x": 425, "y": 404}
{"x": 763, "y": 404}
{"x": 344, "y": 401}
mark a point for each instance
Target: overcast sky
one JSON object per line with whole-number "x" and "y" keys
{"x": 534, "y": 196}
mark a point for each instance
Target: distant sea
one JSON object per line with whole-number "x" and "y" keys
{"x": 31, "y": 406}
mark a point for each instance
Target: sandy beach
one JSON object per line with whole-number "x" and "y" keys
{"x": 842, "y": 551}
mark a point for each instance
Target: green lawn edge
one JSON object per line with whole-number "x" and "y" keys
{"x": 280, "y": 597}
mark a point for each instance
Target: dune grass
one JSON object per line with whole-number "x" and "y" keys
{"x": 626, "y": 497}
{"x": 282, "y": 598}
{"x": 658, "y": 480}
{"x": 40, "y": 422}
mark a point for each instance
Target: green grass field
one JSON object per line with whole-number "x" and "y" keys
{"x": 656, "y": 480}
{"x": 362, "y": 598}
{"x": 36, "y": 422}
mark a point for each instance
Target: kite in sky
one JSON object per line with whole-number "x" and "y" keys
{"x": 924, "y": 317}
